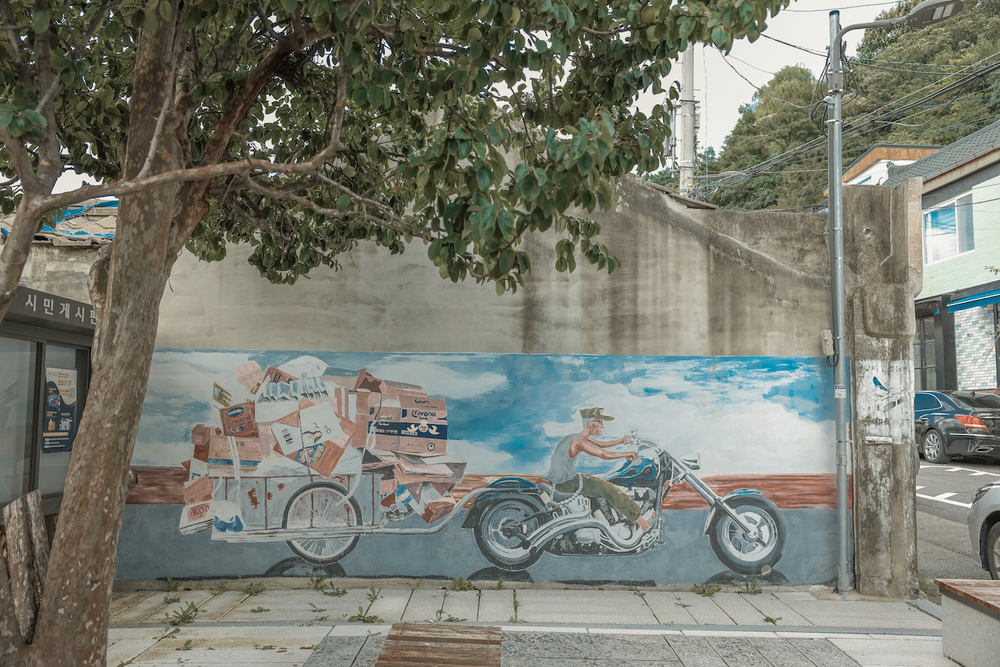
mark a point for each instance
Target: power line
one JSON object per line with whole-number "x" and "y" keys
{"x": 870, "y": 4}
{"x": 761, "y": 90}
{"x": 821, "y": 54}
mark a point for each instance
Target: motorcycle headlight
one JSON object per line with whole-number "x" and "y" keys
{"x": 982, "y": 491}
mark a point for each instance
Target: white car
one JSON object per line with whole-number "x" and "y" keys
{"x": 984, "y": 527}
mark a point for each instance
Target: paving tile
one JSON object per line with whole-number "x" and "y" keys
{"x": 727, "y": 632}
{"x": 216, "y": 607}
{"x": 297, "y": 605}
{"x": 390, "y": 604}
{"x": 462, "y": 604}
{"x": 695, "y": 652}
{"x": 337, "y": 651}
{"x": 668, "y": 608}
{"x": 547, "y": 606}
{"x": 898, "y": 654}
{"x": 770, "y": 605}
{"x": 543, "y": 628}
{"x": 131, "y": 648}
{"x": 496, "y": 606}
{"x": 737, "y": 652}
{"x": 738, "y": 608}
{"x": 237, "y": 645}
{"x": 781, "y": 653}
{"x": 543, "y": 646}
{"x": 141, "y": 609}
{"x": 703, "y": 609}
{"x": 122, "y": 601}
{"x": 423, "y": 605}
{"x": 823, "y": 652}
{"x": 863, "y": 614}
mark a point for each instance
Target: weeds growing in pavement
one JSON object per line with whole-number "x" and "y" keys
{"x": 183, "y": 616}
{"x": 706, "y": 590}
{"x": 461, "y": 584}
{"x": 253, "y": 588}
{"x": 172, "y": 585}
{"x": 749, "y": 586}
{"x": 361, "y": 617}
{"x": 170, "y": 599}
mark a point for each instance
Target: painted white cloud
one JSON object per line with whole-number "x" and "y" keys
{"x": 438, "y": 380}
{"x": 740, "y": 432}
{"x": 482, "y": 458}
{"x": 559, "y": 429}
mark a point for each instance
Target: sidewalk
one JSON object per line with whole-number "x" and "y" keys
{"x": 536, "y": 625}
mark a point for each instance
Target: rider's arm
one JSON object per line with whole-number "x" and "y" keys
{"x": 598, "y": 449}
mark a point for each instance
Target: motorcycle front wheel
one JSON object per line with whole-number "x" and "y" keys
{"x": 738, "y": 550}
{"x": 497, "y": 534}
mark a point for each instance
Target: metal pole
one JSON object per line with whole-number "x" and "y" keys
{"x": 836, "y": 213}
{"x": 687, "y": 120}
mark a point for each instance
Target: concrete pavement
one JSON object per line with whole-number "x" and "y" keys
{"x": 347, "y": 622}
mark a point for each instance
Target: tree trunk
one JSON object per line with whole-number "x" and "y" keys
{"x": 74, "y": 614}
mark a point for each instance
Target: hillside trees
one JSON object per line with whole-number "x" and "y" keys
{"x": 304, "y": 128}
{"x": 775, "y": 121}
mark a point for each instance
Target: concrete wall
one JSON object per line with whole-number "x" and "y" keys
{"x": 883, "y": 266}
{"x": 724, "y": 283}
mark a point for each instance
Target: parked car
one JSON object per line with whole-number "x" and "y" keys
{"x": 956, "y": 423}
{"x": 984, "y": 527}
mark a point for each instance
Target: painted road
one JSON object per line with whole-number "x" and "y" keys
{"x": 944, "y": 496}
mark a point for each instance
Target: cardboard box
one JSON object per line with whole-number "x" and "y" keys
{"x": 248, "y": 450}
{"x": 220, "y": 457}
{"x": 437, "y": 509}
{"x": 239, "y": 420}
{"x": 200, "y": 435}
{"x": 423, "y": 408}
{"x": 272, "y": 374}
{"x": 420, "y": 445}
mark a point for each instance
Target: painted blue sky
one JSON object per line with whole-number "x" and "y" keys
{"x": 506, "y": 412}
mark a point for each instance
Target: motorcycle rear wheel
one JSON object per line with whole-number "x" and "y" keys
{"x": 735, "y": 548}
{"x": 507, "y": 552}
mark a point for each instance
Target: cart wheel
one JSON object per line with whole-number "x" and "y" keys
{"x": 322, "y": 505}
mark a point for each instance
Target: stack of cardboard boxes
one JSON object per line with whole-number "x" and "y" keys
{"x": 339, "y": 423}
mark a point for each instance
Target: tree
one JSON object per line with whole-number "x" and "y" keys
{"x": 775, "y": 121}
{"x": 304, "y": 128}
{"x": 902, "y": 65}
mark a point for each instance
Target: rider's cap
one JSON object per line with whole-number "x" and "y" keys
{"x": 596, "y": 414}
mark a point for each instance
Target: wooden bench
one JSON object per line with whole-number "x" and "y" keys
{"x": 970, "y": 625}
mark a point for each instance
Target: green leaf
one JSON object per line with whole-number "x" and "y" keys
{"x": 40, "y": 21}
{"x": 720, "y": 37}
{"x": 35, "y": 118}
{"x": 343, "y": 201}
{"x": 289, "y": 5}
{"x": 166, "y": 10}
{"x": 485, "y": 178}
{"x": 5, "y": 117}
{"x": 505, "y": 221}
{"x": 585, "y": 164}
{"x": 507, "y": 259}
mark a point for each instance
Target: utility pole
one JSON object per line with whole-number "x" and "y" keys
{"x": 687, "y": 121}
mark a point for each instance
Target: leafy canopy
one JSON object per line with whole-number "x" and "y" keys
{"x": 465, "y": 124}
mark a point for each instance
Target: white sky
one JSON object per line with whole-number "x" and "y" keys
{"x": 720, "y": 91}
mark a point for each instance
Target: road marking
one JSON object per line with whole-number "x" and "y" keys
{"x": 972, "y": 472}
{"x": 944, "y": 498}
{"x": 919, "y": 487}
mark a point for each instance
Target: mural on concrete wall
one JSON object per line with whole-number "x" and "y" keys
{"x": 528, "y": 457}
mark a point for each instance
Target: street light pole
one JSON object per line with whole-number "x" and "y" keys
{"x": 925, "y": 13}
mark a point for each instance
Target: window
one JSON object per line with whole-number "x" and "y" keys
{"x": 17, "y": 394}
{"x": 924, "y": 402}
{"x": 924, "y": 369}
{"x": 948, "y": 229}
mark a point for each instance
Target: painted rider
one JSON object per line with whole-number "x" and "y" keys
{"x": 564, "y": 478}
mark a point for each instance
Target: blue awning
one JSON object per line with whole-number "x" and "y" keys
{"x": 975, "y": 301}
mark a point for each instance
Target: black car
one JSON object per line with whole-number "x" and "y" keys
{"x": 956, "y": 423}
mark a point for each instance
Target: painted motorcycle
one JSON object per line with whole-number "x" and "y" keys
{"x": 516, "y": 521}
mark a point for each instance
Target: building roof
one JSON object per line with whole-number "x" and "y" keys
{"x": 974, "y": 146}
{"x": 880, "y": 152}
{"x": 90, "y": 224}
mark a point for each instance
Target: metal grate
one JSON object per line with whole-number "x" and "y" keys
{"x": 426, "y": 644}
